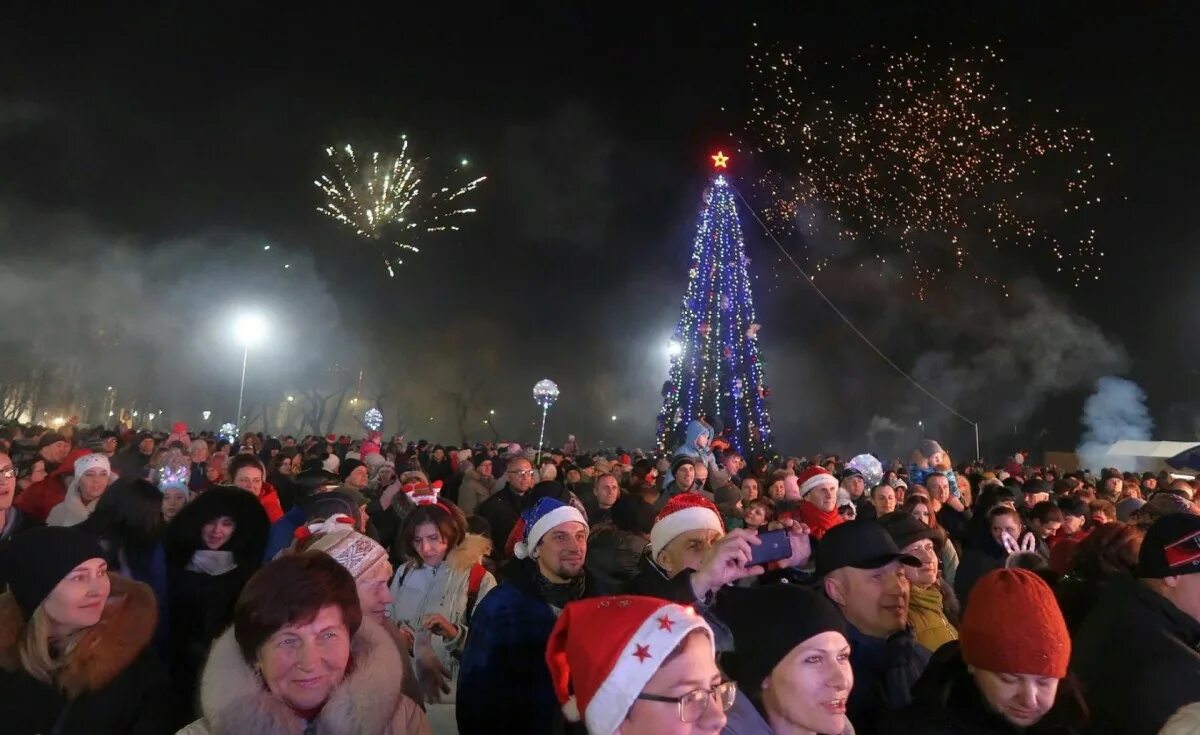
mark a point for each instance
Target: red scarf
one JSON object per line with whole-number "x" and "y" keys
{"x": 818, "y": 521}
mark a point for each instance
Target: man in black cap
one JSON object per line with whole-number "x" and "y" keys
{"x": 862, "y": 573}
{"x": 1136, "y": 654}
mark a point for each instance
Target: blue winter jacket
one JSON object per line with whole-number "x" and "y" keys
{"x": 695, "y": 430}
{"x": 283, "y": 532}
{"x": 504, "y": 685}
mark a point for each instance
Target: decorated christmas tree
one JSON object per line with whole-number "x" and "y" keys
{"x": 716, "y": 369}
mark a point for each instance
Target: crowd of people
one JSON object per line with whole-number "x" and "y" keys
{"x": 191, "y": 583}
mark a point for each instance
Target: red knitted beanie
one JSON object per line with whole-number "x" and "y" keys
{"x": 1013, "y": 626}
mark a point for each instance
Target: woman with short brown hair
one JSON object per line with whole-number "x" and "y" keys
{"x": 285, "y": 664}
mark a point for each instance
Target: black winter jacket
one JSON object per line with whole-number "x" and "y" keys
{"x": 1136, "y": 655}
{"x": 613, "y": 556}
{"x": 946, "y": 701}
{"x": 111, "y": 683}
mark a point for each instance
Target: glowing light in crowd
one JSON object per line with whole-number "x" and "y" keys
{"x": 206, "y": 414}
{"x": 373, "y": 419}
{"x": 933, "y": 165}
{"x": 384, "y": 199}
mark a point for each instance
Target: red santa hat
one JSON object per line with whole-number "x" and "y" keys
{"x": 814, "y": 477}
{"x": 605, "y": 649}
{"x": 682, "y": 513}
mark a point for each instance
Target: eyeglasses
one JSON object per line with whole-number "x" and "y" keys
{"x": 694, "y": 704}
{"x": 521, "y": 473}
{"x": 8, "y": 472}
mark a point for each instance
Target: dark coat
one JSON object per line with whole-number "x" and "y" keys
{"x": 977, "y": 560}
{"x": 1136, "y": 656}
{"x": 451, "y": 486}
{"x": 14, "y": 522}
{"x": 130, "y": 463}
{"x": 504, "y": 685}
{"x": 1077, "y": 597}
{"x": 197, "y": 478}
{"x": 501, "y": 511}
{"x": 956, "y": 525}
{"x": 201, "y": 604}
{"x": 885, "y": 670}
{"x": 613, "y": 556}
{"x": 946, "y": 701}
{"x": 111, "y": 684}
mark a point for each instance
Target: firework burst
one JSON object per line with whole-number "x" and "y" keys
{"x": 382, "y": 198}
{"x": 931, "y": 165}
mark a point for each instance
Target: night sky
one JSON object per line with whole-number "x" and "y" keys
{"x": 205, "y": 126}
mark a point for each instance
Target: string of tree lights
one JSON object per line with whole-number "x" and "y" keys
{"x": 716, "y": 370}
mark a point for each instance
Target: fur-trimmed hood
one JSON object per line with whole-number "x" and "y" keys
{"x": 182, "y": 536}
{"x": 234, "y": 700}
{"x": 105, "y": 650}
{"x": 469, "y": 553}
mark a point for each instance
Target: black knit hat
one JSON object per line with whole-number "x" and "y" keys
{"x": 34, "y": 562}
{"x": 50, "y": 437}
{"x": 349, "y": 466}
{"x": 679, "y": 461}
{"x": 329, "y": 504}
{"x": 767, "y": 623}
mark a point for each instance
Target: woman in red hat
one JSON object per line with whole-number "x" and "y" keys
{"x": 1007, "y": 673}
{"x": 637, "y": 666}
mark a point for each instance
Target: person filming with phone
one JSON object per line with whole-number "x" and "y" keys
{"x": 690, "y": 557}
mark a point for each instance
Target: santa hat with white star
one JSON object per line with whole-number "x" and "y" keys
{"x": 603, "y": 650}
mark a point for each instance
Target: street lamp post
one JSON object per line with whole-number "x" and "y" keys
{"x": 248, "y": 329}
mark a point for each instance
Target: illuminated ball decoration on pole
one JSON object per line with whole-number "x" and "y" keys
{"x": 870, "y": 468}
{"x": 545, "y": 393}
{"x": 229, "y": 431}
{"x": 373, "y": 419}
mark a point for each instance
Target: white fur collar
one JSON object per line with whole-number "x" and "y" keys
{"x": 233, "y": 699}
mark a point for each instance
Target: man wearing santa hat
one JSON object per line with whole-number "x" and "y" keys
{"x": 503, "y": 684}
